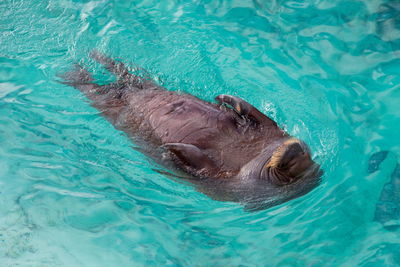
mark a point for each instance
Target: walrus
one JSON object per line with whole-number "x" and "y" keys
{"x": 229, "y": 149}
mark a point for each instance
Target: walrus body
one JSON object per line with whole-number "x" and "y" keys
{"x": 230, "y": 150}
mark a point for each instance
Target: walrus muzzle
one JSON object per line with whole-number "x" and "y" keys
{"x": 288, "y": 163}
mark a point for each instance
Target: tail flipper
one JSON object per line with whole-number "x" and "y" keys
{"x": 108, "y": 98}
{"x": 113, "y": 66}
{"x": 102, "y": 96}
{"x": 81, "y": 79}
{"x": 121, "y": 71}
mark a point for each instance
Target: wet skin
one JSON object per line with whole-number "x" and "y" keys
{"x": 229, "y": 150}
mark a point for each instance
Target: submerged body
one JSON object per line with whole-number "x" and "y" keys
{"x": 230, "y": 150}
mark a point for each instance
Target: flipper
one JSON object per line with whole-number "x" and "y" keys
{"x": 113, "y": 66}
{"x": 81, "y": 79}
{"x": 121, "y": 71}
{"x": 77, "y": 75}
{"x": 245, "y": 109}
{"x": 191, "y": 156}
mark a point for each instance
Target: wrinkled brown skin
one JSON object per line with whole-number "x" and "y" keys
{"x": 223, "y": 147}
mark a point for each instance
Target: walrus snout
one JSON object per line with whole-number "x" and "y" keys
{"x": 289, "y": 162}
{"x": 299, "y": 164}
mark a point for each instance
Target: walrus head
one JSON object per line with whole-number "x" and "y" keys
{"x": 282, "y": 163}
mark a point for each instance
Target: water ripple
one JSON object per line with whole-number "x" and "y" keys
{"x": 73, "y": 192}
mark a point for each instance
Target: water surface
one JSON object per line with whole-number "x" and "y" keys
{"x": 73, "y": 192}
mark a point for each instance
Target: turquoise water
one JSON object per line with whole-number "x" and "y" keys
{"x": 73, "y": 192}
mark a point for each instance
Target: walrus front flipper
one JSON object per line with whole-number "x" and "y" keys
{"x": 245, "y": 109}
{"x": 191, "y": 156}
